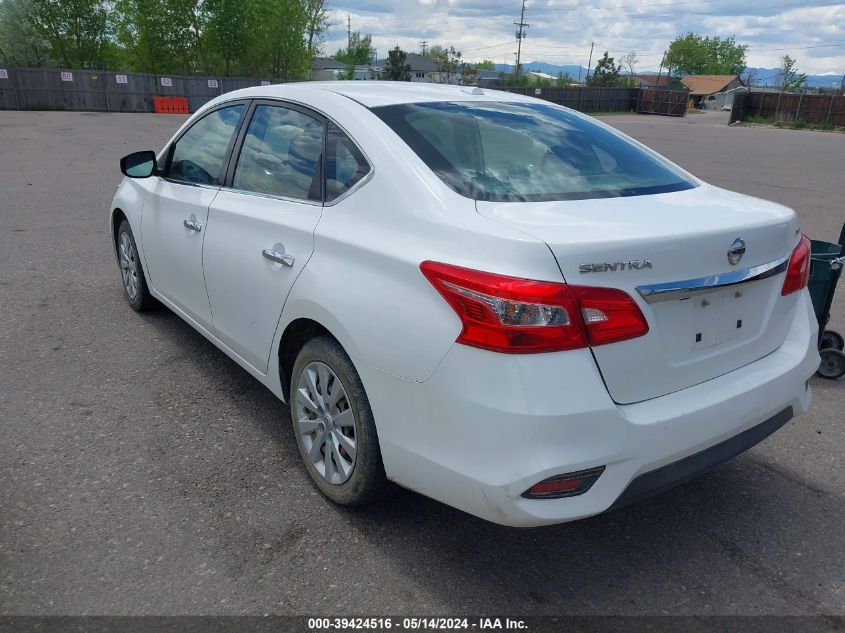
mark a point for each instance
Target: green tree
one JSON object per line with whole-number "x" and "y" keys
{"x": 692, "y": 54}
{"x": 360, "y": 50}
{"x": 77, "y": 32}
{"x": 519, "y": 79}
{"x": 229, "y": 28}
{"x": 486, "y": 64}
{"x": 161, "y": 36}
{"x": 564, "y": 80}
{"x": 318, "y": 21}
{"x": 397, "y": 67}
{"x": 449, "y": 64}
{"x": 20, "y": 42}
{"x": 606, "y": 73}
{"x": 282, "y": 48}
{"x": 789, "y": 78}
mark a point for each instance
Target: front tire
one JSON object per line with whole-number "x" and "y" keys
{"x": 131, "y": 271}
{"x": 334, "y": 426}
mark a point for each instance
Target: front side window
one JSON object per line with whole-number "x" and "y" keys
{"x": 345, "y": 166}
{"x": 281, "y": 154}
{"x": 199, "y": 153}
{"x": 527, "y": 152}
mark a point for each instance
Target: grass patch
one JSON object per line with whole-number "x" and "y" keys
{"x": 796, "y": 125}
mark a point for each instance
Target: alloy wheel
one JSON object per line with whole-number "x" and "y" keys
{"x": 128, "y": 265}
{"x": 325, "y": 422}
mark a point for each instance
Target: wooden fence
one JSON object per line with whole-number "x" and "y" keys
{"x": 791, "y": 108}
{"x": 662, "y": 101}
{"x": 642, "y": 100}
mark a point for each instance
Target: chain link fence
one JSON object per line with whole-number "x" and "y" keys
{"x": 108, "y": 91}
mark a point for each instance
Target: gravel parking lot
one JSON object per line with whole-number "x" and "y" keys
{"x": 143, "y": 472}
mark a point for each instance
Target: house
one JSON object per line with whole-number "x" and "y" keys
{"x": 492, "y": 78}
{"x": 325, "y": 68}
{"x": 704, "y": 88}
{"x": 424, "y": 69}
{"x": 652, "y": 81}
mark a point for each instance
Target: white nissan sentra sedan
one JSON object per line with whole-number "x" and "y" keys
{"x": 486, "y": 298}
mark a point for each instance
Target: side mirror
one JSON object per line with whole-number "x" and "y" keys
{"x": 138, "y": 164}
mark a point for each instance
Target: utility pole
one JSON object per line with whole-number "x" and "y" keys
{"x": 520, "y": 33}
{"x": 589, "y": 63}
{"x": 348, "y": 31}
{"x": 424, "y": 45}
{"x": 660, "y": 72}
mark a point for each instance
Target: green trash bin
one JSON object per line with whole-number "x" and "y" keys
{"x": 822, "y": 277}
{"x": 826, "y": 259}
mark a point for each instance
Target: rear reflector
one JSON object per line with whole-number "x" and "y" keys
{"x": 798, "y": 271}
{"x": 568, "y": 485}
{"x": 513, "y": 315}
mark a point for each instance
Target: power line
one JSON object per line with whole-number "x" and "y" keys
{"x": 483, "y": 48}
{"x": 424, "y": 46}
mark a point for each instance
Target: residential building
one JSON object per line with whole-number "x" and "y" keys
{"x": 326, "y": 68}
{"x": 652, "y": 81}
{"x": 704, "y": 88}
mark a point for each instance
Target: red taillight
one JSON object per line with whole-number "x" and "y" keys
{"x": 798, "y": 271}
{"x": 512, "y": 315}
{"x": 610, "y": 314}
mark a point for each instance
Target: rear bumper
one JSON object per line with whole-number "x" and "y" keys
{"x": 485, "y": 428}
{"x": 676, "y": 473}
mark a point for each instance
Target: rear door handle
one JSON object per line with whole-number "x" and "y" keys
{"x": 193, "y": 225}
{"x": 278, "y": 256}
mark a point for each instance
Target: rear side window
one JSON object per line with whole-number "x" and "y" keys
{"x": 345, "y": 166}
{"x": 281, "y": 155}
{"x": 527, "y": 152}
{"x": 199, "y": 153}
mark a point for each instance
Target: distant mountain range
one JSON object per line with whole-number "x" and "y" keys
{"x": 762, "y": 76}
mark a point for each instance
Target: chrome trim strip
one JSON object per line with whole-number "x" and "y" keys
{"x": 272, "y": 196}
{"x": 678, "y": 290}
{"x": 358, "y": 185}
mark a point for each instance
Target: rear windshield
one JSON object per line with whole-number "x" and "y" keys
{"x": 527, "y": 152}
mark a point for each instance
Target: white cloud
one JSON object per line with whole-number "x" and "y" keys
{"x": 561, "y": 30}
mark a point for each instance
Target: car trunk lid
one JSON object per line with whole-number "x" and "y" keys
{"x": 648, "y": 245}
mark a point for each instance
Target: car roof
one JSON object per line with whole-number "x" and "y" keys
{"x": 380, "y": 93}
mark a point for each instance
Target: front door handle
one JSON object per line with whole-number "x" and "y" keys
{"x": 193, "y": 225}
{"x": 280, "y": 257}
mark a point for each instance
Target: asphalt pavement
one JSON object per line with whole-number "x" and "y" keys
{"x": 143, "y": 472}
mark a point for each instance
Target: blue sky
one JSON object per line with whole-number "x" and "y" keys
{"x": 561, "y": 30}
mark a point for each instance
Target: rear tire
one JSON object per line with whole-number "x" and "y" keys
{"x": 131, "y": 271}
{"x": 334, "y": 426}
{"x": 832, "y": 365}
